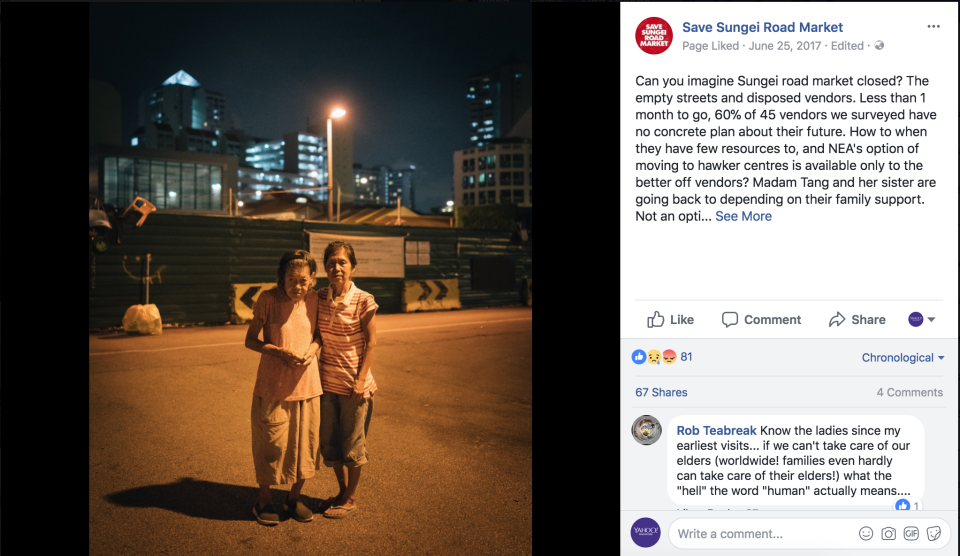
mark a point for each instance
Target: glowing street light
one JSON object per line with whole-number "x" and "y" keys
{"x": 449, "y": 203}
{"x": 335, "y": 114}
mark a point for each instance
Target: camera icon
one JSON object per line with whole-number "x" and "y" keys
{"x": 911, "y": 533}
{"x": 888, "y": 533}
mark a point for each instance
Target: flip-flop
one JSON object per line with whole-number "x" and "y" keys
{"x": 341, "y": 516}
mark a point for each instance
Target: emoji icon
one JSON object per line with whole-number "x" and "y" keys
{"x": 669, "y": 357}
{"x": 866, "y": 533}
{"x": 653, "y": 357}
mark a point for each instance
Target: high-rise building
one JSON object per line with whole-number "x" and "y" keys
{"x": 498, "y": 172}
{"x": 497, "y": 100}
{"x": 368, "y": 185}
{"x": 104, "y": 114}
{"x": 298, "y": 161}
{"x": 399, "y": 185}
{"x": 181, "y": 102}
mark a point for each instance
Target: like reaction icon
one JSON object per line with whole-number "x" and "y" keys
{"x": 655, "y": 321}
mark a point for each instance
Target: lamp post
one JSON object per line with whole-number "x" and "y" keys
{"x": 335, "y": 114}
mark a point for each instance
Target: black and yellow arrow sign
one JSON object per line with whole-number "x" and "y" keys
{"x": 430, "y": 295}
{"x": 244, "y": 296}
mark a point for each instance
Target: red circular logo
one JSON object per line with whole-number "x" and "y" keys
{"x": 654, "y": 35}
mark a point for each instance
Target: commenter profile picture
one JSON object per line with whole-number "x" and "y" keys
{"x": 646, "y": 429}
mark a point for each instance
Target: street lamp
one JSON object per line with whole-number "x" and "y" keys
{"x": 335, "y": 114}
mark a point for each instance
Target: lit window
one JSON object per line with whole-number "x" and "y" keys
{"x": 214, "y": 143}
{"x": 474, "y": 124}
{"x": 173, "y": 194}
{"x": 487, "y": 122}
{"x": 133, "y": 142}
{"x": 474, "y": 138}
{"x": 517, "y": 76}
{"x": 486, "y": 101}
{"x": 216, "y": 187}
{"x": 301, "y": 199}
{"x": 471, "y": 89}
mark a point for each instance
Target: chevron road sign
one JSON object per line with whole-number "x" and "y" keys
{"x": 244, "y": 296}
{"x": 430, "y": 295}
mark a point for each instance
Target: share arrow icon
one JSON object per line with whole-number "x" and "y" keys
{"x": 838, "y": 320}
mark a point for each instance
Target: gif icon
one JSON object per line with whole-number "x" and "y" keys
{"x": 911, "y": 533}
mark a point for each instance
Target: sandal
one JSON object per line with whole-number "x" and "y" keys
{"x": 341, "y": 516}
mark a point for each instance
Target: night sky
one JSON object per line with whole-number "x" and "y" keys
{"x": 398, "y": 69}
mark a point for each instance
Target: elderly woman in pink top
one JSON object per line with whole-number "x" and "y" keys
{"x": 285, "y": 416}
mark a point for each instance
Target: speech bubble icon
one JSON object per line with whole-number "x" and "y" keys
{"x": 729, "y": 319}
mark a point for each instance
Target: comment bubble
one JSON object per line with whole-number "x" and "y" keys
{"x": 794, "y": 459}
{"x": 729, "y": 319}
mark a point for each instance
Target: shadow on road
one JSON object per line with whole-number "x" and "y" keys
{"x": 198, "y": 499}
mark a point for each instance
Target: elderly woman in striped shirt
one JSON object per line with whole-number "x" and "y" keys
{"x": 347, "y": 325}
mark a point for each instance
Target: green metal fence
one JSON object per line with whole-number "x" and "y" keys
{"x": 195, "y": 259}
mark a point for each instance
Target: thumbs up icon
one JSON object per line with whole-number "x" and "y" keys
{"x": 655, "y": 320}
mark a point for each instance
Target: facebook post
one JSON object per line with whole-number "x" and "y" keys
{"x": 788, "y": 303}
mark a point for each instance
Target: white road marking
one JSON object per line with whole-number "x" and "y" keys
{"x": 241, "y": 343}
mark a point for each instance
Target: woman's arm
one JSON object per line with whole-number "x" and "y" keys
{"x": 369, "y": 326}
{"x": 253, "y": 342}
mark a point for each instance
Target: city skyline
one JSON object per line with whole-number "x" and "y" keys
{"x": 387, "y": 66}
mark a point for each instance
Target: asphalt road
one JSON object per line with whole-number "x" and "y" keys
{"x": 450, "y": 444}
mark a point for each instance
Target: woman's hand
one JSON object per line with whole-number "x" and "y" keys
{"x": 290, "y": 358}
{"x": 357, "y": 394}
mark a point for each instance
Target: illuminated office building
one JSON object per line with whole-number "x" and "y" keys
{"x": 497, "y": 100}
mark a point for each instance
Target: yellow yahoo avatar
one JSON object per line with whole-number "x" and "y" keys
{"x": 669, "y": 357}
{"x": 653, "y": 357}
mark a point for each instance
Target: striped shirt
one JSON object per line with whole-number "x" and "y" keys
{"x": 343, "y": 342}
{"x": 290, "y": 326}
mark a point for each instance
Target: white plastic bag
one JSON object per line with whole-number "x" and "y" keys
{"x": 142, "y": 319}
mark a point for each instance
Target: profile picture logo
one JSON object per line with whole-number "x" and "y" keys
{"x": 654, "y": 35}
{"x": 916, "y": 319}
{"x": 645, "y": 532}
{"x": 646, "y": 429}
{"x": 639, "y": 357}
